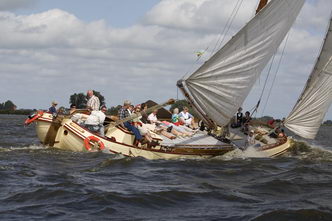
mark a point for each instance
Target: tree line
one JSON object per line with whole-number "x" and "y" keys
{"x": 8, "y": 105}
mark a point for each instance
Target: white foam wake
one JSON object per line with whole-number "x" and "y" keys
{"x": 250, "y": 152}
{"x": 31, "y": 147}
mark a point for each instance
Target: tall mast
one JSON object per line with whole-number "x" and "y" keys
{"x": 261, "y": 5}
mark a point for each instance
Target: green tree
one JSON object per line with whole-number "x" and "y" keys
{"x": 114, "y": 110}
{"x": 80, "y": 99}
{"x": 8, "y": 105}
{"x": 180, "y": 104}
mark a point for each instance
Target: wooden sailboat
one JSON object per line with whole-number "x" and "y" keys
{"x": 215, "y": 90}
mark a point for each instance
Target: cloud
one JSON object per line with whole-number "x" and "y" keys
{"x": 51, "y": 55}
{"x": 8, "y": 5}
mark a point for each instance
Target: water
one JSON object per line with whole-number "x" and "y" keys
{"x": 39, "y": 183}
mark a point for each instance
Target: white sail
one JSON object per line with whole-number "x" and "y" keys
{"x": 219, "y": 87}
{"x": 309, "y": 111}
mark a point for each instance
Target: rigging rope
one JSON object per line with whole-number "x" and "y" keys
{"x": 267, "y": 77}
{"x": 227, "y": 26}
{"x": 275, "y": 75}
{"x": 222, "y": 34}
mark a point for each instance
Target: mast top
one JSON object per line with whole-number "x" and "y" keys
{"x": 261, "y": 5}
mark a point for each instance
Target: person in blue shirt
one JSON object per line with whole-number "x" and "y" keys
{"x": 52, "y": 109}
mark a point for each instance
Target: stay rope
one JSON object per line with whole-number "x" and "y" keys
{"x": 264, "y": 86}
{"x": 222, "y": 36}
{"x": 228, "y": 25}
{"x": 275, "y": 75}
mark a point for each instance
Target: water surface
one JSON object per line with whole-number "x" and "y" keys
{"x": 39, "y": 183}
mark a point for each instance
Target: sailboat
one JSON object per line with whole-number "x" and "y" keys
{"x": 216, "y": 90}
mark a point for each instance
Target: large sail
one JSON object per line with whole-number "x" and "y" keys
{"x": 219, "y": 87}
{"x": 309, "y": 111}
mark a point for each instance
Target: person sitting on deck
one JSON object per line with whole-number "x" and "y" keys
{"x": 124, "y": 113}
{"x": 187, "y": 119}
{"x": 95, "y": 121}
{"x": 282, "y": 134}
{"x": 152, "y": 118}
{"x": 275, "y": 133}
{"x": 144, "y": 118}
{"x": 238, "y": 119}
{"x": 175, "y": 117}
{"x": 93, "y": 102}
{"x": 159, "y": 127}
{"x": 143, "y": 128}
{"x": 177, "y": 130}
{"x": 246, "y": 121}
{"x": 52, "y": 110}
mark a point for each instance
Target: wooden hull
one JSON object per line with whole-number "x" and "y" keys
{"x": 71, "y": 136}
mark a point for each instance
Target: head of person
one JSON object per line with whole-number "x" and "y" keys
{"x": 239, "y": 110}
{"x": 176, "y": 111}
{"x": 54, "y": 103}
{"x": 137, "y": 108}
{"x": 103, "y": 108}
{"x": 185, "y": 109}
{"x": 126, "y": 104}
{"x": 247, "y": 114}
{"x": 89, "y": 93}
{"x": 155, "y": 111}
{"x": 251, "y": 133}
{"x": 144, "y": 106}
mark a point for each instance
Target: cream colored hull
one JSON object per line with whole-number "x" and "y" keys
{"x": 43, "y": 125}
{"x": 276, "y": 150}
{"x": 71, "y": 136}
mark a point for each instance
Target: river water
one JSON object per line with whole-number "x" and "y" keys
{"x": 39, "y": 183}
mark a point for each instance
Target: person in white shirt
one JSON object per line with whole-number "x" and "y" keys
{"x": 93, "y": 102}
{"x": 152, "y": 118}
{"x": 187, "y": 119}
{"x": 95, "y": 121}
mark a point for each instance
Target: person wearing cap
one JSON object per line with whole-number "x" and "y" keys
{"x": 93, "y": 102}
{"x": 124, "y": 113}
{"x": 52, "y": 110}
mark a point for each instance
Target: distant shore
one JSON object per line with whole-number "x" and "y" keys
{"x": 18, "y": 112}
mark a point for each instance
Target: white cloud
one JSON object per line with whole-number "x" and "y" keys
{"x": 51, "y": 55}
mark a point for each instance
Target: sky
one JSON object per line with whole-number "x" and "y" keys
{"x": 137, "y": 50}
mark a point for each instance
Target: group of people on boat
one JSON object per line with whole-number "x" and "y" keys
{"x": 181, "y": 125}
{"x": 244, "y": 123}
{"x": 143, "y": 126}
